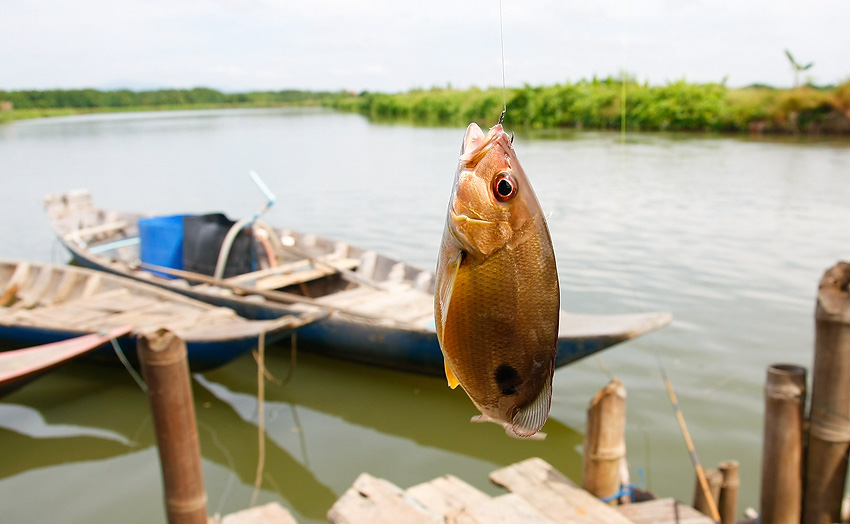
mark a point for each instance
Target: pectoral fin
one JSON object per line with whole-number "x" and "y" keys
{"x": 444, "y": 293}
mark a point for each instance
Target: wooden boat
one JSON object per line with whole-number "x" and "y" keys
{"x": 381, "y": 310}
{"x": 44, "y": 303}
{"x": 20, "y": 366}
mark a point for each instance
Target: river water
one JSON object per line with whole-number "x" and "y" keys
{"x": 730, "y": 234}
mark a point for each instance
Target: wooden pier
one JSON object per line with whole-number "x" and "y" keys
{"x": 537, "y": 494}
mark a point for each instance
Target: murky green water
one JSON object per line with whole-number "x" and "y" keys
{"x": 730, "y": 234}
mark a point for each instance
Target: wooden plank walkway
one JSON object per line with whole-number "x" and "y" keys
{"x": 271, "y": 513}
{"x": 538, "y": 494}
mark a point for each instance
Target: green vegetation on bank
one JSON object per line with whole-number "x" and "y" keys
{"x": 586, "y": 104}
{"x": 597, "y": 104}
{"x": 60, "y": 102}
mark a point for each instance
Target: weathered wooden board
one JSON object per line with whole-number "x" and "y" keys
{"x": 271, "y": 513}
{"x": 447, "y": 495}
{"x": 505, "y": 509}
{"x": 663, "y": 511}
{"x": 554, "y": 495}
{"x": 348, "y": 298}
{"x": 376, "y": 501}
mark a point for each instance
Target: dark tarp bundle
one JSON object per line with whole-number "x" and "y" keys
{"x": 203, "y": 236}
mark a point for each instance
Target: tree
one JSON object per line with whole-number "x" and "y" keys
{"x": 797, "y": 67}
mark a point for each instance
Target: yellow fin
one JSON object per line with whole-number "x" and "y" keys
{"x": 444, "y": 292}
{"x": 453, "y": 383}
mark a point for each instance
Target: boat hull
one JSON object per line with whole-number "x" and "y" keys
{"x": 400, "y": 348}
{"x": 365, "y": 334}
{"x": 202, "y": 355}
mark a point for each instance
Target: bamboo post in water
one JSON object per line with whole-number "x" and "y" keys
{"x": 715, "y": 481}
{"x": 782, "y": 455}
{"x": 605, "y": 441}
{"x": 728, "y": 503}
{"x": 166, "y": 371}
{"x": 829, "y": 417}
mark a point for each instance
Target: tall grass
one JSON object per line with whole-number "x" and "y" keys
{"x": 588, "y": 104}
{"x": 596, "y": 104}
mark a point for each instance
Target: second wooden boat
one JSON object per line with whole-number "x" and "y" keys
{"x": 381, "y": 309}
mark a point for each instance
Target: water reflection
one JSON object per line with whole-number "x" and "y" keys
{"x": 731, "y": 234}
{"x": 330, "y": 423}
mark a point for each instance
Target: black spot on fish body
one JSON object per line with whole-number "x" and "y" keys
{"x": 507, "y": 379}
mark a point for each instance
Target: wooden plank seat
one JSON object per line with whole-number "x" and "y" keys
{"x": 292, "y": 273}
{"x": 405, "y": 304}
{"x": 88, "y": 233}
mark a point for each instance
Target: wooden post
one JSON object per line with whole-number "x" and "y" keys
{"x": 729, "y": 492}
{"x": 605, "y": 441}
{"x": 166, "y": 371}
{"x": 829, "y": 428}
{"x": 715, "y": 481}
{"x": 782, "y": 455}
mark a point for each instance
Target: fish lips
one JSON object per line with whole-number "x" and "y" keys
{"x": 476, "y": 143}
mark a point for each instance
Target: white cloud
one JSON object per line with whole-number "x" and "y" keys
{"x": 392, "y": 46}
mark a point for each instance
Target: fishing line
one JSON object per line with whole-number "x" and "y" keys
{"x": 120, "y": 354}
{"x": 504, "y": 85}
{"x": 228, "y": 486}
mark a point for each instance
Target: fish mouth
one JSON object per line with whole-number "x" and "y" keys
{"x": 478, "y": 144}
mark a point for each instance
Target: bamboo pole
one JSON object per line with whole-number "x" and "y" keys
{"x": 782, "y": 455}
{"x": 711, "y": 502}
{"x": 166, "y": 370}
{"x": 715, "y": 481}
{"x": 729, "y": 492}
{"x": 605, "y": 442}
{"x": 829, "y": 429}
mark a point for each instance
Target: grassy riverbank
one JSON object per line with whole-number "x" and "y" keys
{"x": 598, "y": 104}
{"x": 587, "y": 104}
{"x": 59, "y": 102}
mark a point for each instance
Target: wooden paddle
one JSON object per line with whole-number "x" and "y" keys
{"x": 275, "y": 296}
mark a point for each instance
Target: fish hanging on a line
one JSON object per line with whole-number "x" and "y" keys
{"x": 497, "y": 298}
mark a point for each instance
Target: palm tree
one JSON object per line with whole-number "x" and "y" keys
{"x": 797, "y": 67}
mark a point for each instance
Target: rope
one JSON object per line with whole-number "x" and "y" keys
{"x": 292, "y": 361}
{"x": 261, "y": 415}
{"x": 227, "y": 243}
{"x": 626, "y": 489}
{"x": 120, "y": 354}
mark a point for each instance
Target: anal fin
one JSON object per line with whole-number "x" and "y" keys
{"x": 450, "y": 376}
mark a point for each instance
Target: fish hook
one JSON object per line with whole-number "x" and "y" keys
{"x": 502, "y": 117}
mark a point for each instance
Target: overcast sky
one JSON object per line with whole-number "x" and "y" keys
{"x": 397, "y": 45}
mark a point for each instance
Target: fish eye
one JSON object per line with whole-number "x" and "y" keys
{"x": 504, "y": 187}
